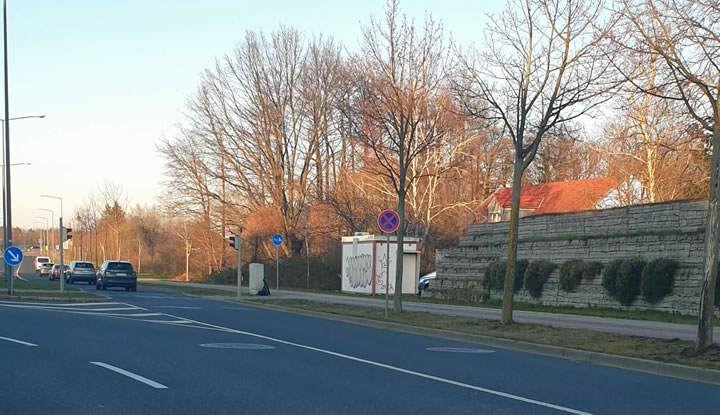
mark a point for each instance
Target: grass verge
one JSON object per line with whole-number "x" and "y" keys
{"x": 19, "y": 284}
{"x": 644, "y": 315}
{"x": 185, "y": 289}
{"x": 668, "y": 351}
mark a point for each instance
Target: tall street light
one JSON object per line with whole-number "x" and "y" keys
{"x": 46, "y": 225}
{"x": 60, "y": 242}
{"x": 4, "y": 152}
{"x": 52, "y": 237}
{"x": 43, "y": 237}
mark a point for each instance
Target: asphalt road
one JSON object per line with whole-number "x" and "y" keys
{"x": 147, "y": 353}
{"x": 609, "y": 325}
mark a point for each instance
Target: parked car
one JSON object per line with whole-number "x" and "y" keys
{"x": 55, "y": 272}
{"x": 39, "y": 261}
{"x": 425, "y": 281}
{"x": 116, "y": 274}
{"x": 45, "y": 268}
{"x": 81, "y": 271}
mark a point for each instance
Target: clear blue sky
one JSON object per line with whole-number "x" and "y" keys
{"x": 113, "y": 76}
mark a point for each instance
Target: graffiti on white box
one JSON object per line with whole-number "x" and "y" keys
{"x": 359, "y": 270}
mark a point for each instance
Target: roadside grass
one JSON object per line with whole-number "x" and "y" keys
{"x": 668, "y": 351}
{"x": 644, "y": 315}
{"x": 185, "y": 289}
{"x": 72, "y": 296}
{"x": 152, "y": 276}
{"x": 19, "y": 284}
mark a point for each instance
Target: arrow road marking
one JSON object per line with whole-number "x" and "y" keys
{"x": 131, "y": 375}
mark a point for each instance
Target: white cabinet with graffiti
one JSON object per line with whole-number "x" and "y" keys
{"x": 365, "y": 264}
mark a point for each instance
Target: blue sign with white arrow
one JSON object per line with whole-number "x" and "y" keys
{"x": 13, "y": 256}
{"x": 277, "y": 239}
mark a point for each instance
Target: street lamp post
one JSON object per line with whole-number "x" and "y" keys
{"x": 52, "y": 236}
{"x": 46, "y": 227}
{"x": 43, "y": 236}
{"x": 60, "y": 242}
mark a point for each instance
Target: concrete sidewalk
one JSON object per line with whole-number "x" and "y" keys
{"x": 602, "y": 324}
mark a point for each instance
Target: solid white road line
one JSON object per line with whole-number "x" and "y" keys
{"x": 393, "y": 368}
{"x": 131, "y": 375}
{"x": 18, "y": 341}
{"x": 177, "y": 306}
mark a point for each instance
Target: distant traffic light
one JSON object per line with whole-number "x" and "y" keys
{"x": 234, "y": 242}
{"x": 66, "y": 234}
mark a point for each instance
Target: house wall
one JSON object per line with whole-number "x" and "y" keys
{"x": 671, "y": 230}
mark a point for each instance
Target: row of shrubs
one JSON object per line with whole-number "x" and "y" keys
{"x": 531, "y": 275}
{"x": 624, "y": 279}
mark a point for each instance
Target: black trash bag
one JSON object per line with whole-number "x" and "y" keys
{"x": 265, "y": 289}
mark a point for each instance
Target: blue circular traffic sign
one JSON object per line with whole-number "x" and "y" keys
{"x": 13, "y": 256}
{"x": 388, "y": 221}
{"x": 277, "y": 239}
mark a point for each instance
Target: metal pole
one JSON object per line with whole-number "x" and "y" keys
{"x": 387, "y": 274}
{"x": 187, "y": 262}
{"x": 62, "y": 263}
{"x": 238, "y": 243}
{"x": 277, "y": 268}
{"x": 7, "y": 216}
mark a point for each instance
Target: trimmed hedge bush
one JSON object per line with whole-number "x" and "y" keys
{"x": 495, "y": 275}
{"x": 571, "y": 273}
{"x": 609, "y": 281}
{"x": 627, "y": 285}
{"x": 657, "y": 279}
{"x": 536, "y": 275}
{"x": 592, "y": 269}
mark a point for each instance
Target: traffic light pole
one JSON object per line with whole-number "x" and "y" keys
{"x": 62, "y": 264}
{"x": 238, "y": 247}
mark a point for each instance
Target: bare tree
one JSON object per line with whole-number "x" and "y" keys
{"x": 541, "y": 70}
{"x": 400, "y": 71}
{"x": 684, "y": 35}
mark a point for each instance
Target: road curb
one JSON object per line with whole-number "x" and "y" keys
{"x": 55, "y": 299}
{"x": 596, "y": 358}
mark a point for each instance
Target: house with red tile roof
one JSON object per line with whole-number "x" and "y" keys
{"x": 556, "y": 197}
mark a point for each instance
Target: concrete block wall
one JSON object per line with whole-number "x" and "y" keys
{"x": 672, "y": 230}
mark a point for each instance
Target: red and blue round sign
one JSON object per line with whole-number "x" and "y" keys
{"x": 388, "y": 221}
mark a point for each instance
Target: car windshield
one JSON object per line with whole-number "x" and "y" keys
{"x": 119, "y": 266}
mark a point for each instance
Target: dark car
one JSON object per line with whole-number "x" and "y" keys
{"x": 55, "y": 272}
{"x": 81, "y": 271}
{"x": 116, "y": 274}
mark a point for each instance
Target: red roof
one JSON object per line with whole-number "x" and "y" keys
{"x": 558, "y": 197}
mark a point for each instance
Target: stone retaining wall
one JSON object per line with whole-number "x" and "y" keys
{"x": 672, "y": 230}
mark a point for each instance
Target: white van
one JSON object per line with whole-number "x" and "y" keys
{"x": 39, "y": 260}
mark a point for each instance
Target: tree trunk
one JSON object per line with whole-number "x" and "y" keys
{"x": 707, "y": 291}
{"x": 397, "y": 299}
{"x": 507, "y": 309}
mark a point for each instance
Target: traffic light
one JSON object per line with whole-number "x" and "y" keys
{"x": 66, "y": 234}
{"x": 234, "y": 242}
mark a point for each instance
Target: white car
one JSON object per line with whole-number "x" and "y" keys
{"x": 39, "y": 261}
{"x": 425, "y": 281}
